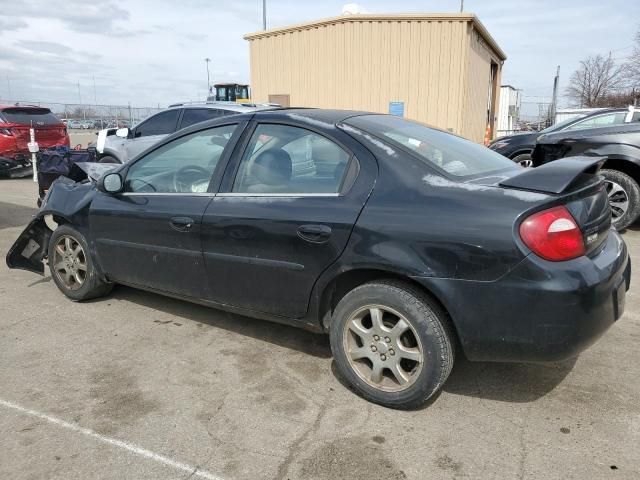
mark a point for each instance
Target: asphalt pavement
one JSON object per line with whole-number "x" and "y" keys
{"x": 139, "y": 386}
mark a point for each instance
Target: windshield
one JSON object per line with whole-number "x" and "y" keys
{"x": 39, "y": 116}
{"x": 447, "y": 152}
{"x": 560, "y": 125}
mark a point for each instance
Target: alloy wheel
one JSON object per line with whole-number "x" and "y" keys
{"x": 70, "y": 262}
{"x": 528, "y": 163}
{"x": 618, "y": 199}
{"x": 383, "y": 348}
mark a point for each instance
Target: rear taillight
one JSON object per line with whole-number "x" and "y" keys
{"x": 6, "y": 132}
{"x": 553, "y": 235}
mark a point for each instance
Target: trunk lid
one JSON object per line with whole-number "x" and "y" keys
{"x": 575, "y": 183}
{"x": 46, "y": 136}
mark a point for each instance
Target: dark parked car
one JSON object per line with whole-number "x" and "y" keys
{"x": 15, "y": 124}
{"x": 518, "y": 147}
{"x": 403, "y": 242}
{"x": 620, "y": 145}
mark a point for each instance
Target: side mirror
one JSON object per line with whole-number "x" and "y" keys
{"x": 110, "y": 183}
{"x": 122, "y": 132}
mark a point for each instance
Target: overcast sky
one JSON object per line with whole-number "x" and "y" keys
{"x": 151, "y": 52}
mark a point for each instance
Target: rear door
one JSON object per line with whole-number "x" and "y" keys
{"x": 287, "y": 206}
{"x": 151, "y": 131}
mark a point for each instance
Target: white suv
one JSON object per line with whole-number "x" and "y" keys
{"x": 119, "y": 145}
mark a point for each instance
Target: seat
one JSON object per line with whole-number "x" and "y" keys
{"x": 272, "y": 170}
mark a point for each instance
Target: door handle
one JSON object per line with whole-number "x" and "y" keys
{"x": 314, "y": 233}
{"x": 181, "y": 224}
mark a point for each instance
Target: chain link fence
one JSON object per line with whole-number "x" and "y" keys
{"x": 88, "y": 116}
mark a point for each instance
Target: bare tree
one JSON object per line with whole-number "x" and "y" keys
{"x": 596, "y": 78}
{"x": 632, "y": 66}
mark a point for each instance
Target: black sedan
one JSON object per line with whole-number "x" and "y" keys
{"x": 620, "y": 146}
{"x": 405, "y": 243}
{"x": 518, "y": 147}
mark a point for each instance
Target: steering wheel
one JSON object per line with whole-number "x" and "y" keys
{"x": 185, "y": 178}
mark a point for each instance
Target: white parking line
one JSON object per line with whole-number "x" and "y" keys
{"x": 142, "y": 452}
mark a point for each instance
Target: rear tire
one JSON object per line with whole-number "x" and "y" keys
{"x": 393, "y": 369}
{"x": 624, "y": 198}
{"x": 72, "y": 267}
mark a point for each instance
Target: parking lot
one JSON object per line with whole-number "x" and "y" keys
{"x": 141, "y": 386}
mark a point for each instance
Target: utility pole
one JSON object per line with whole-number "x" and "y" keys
{"x": 461, "y": 6}
{"x": 95, "y": 101}
{"x": 207, "y": 60}
{"x": 84, "y": 112}
{"x": 554, "y": 99}
{"x": 264, "y": 14}
{"x": 9, "y": 87}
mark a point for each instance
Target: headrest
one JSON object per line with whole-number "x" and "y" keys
{"x": 273, "y": 167}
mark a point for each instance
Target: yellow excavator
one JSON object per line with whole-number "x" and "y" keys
{"x": 229, "y": 92}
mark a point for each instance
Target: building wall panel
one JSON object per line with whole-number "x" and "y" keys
{"x": 436, "y": 67}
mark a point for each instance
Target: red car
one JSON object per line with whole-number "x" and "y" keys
{"x": 15, "y": 122}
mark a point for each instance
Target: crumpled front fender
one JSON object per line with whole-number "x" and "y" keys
{"x": 66, "y": 200}
{"x": 30, "y": 249}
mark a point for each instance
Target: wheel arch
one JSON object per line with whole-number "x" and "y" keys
{"x": 109, "y": 152}
{"x": 347, "y": 280}
{"x": 625, "y": 165}
{"x": 520, "y": 152}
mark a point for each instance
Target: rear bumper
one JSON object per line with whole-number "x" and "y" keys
{"x": 540, "y": 311}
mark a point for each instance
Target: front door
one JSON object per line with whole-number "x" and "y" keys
{"x": 149, "y": 235}
{"x": 285, "y": 217}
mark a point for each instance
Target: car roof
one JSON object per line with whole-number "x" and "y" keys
{"x": 230, "y": 106}
{"x": 326, "y": 116}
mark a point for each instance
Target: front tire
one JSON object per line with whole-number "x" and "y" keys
{"x": 624, "y": 198}
{"x": 392, "y": 343}
{"x": 72, "y": 268}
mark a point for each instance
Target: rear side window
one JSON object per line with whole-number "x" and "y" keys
{"x": 39, "y": 116}
{"x": 192, "y": 116}
{"x": 286, "y": 159}
{"x": 600, "y": 121}
{"x": 452, "y": 154}
{"x": 160, "y": 124}
{"x": 636, "y": 117}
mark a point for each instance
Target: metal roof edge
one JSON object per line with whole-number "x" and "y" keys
{"x": 463, "y": 17}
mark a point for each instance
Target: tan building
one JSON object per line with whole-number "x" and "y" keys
{"x": 442, "y": 69}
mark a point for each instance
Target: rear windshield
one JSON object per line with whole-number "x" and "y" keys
{"x": 39, "y": 116}
{"x": 449, "y": 153}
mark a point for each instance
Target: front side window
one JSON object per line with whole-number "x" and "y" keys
{"x": 161, "y": 124}
{"x": 286, "y": 159}
{"x": 447, "y": 152}
{"x": 600, "y": 121}
{"x": 184, "y": 165}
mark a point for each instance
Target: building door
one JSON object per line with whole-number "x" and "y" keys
{"x": 280, "y": 98}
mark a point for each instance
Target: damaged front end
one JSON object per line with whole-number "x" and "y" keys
{"x": 67, "y": 201}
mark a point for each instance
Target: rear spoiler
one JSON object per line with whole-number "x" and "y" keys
{"x": 555, "y": 177}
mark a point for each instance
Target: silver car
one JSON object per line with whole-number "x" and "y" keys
{"x": 119, "y": 145}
